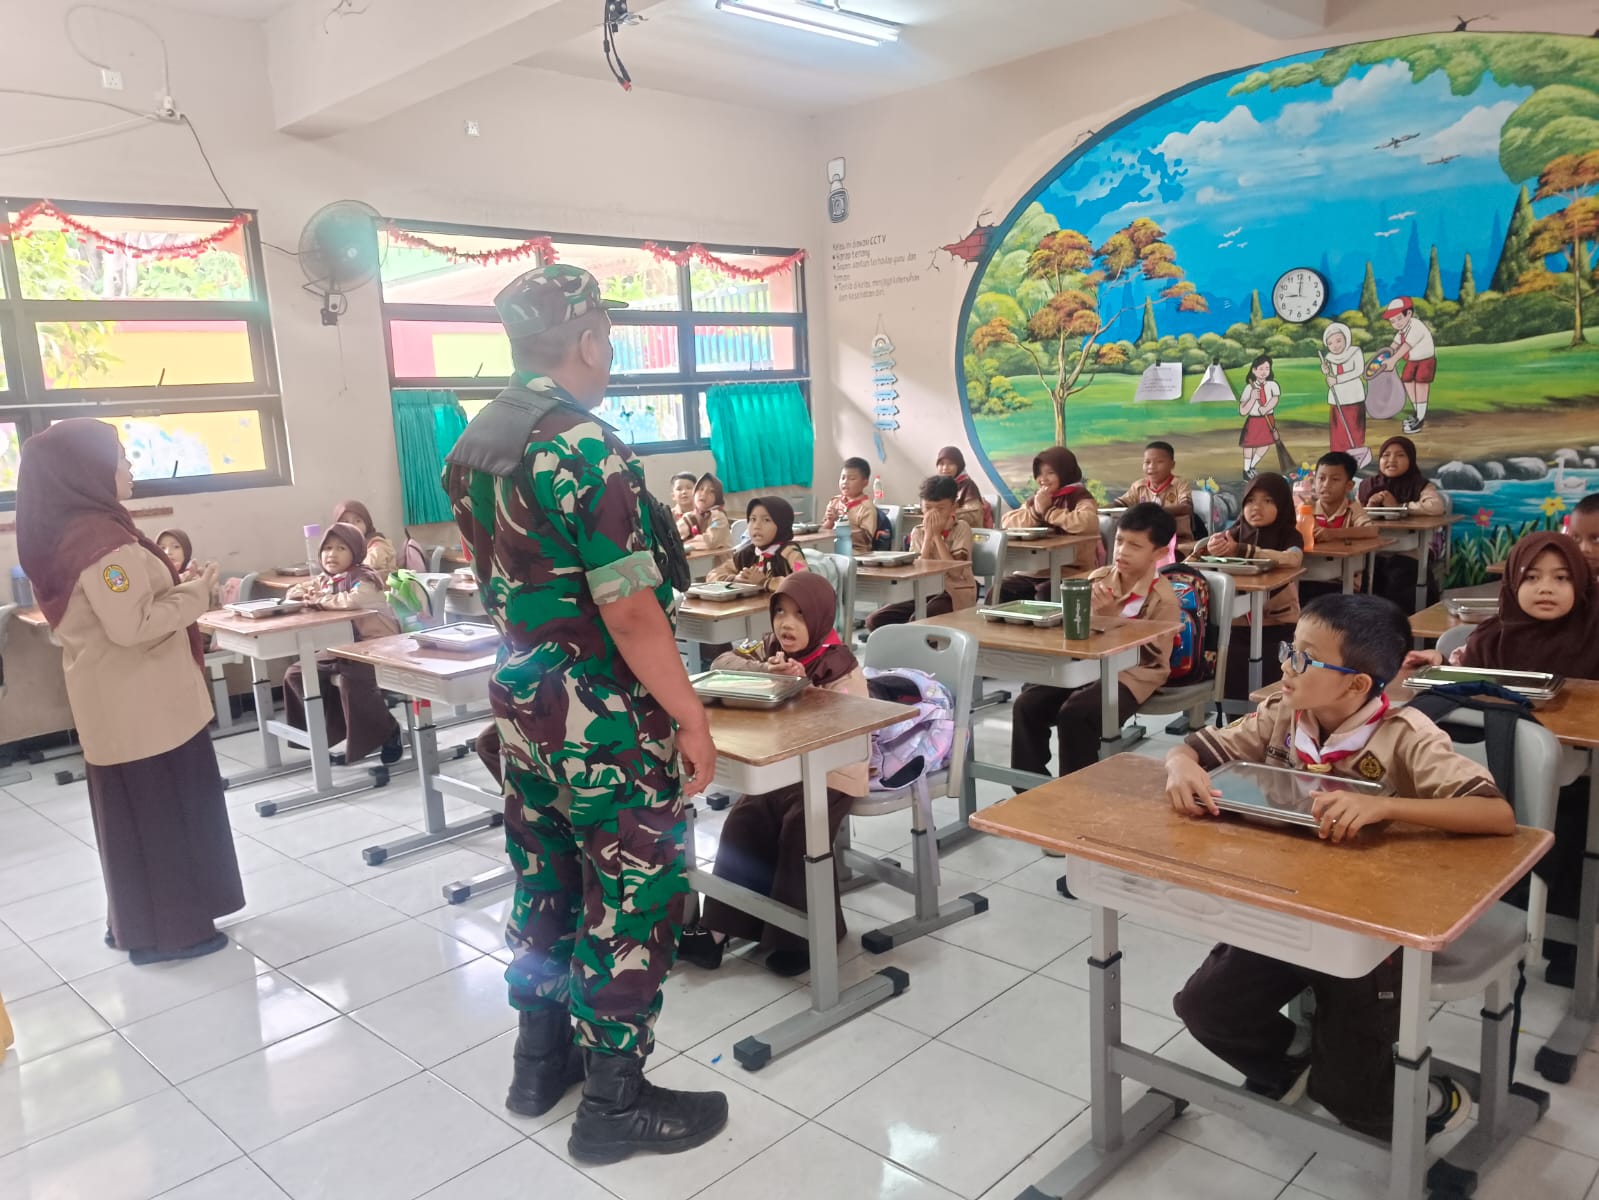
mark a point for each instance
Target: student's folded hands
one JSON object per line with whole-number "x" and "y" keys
{"x": 1189, "y": 790}
{"x": 781, "y": 664}
{"x": 1344, "y": 814}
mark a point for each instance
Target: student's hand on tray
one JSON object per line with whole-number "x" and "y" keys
{"x": 1418, "y": 659}
{"x": 1188, "y": 788}
{"x": 1344, "y": 814}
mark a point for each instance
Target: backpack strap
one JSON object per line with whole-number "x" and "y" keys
{"x": 496, "y": 440}
{"x": 1501, "y": 711}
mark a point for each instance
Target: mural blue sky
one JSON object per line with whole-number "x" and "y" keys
{"x": 1282, "y": 175}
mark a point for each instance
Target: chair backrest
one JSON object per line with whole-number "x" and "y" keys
{"x": 1223, "y": 598}
{"x": 838, "y": 570}
{"x": 7, "y": 611}
{"x": 949, "y": 656}
{"x": 1453, "y": 639}
{"x": 988, "y": 556}
{"x": 804, "y": 506}
{"x": 438, "y": 590}
{"x": 435, "y": 558}
{"x": 1205, "y": 508}
{"x": 740, "y": 528}
{"x": 244, "y": 591}
{"x": 892, "y": 511}
{"x": 1107, "y": 534}
{"x": 995, "y": 506}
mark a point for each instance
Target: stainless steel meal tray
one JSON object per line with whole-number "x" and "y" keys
{"x": 1278, "y": 794}
{"x": 1030, "y": 533}
{"x": 747, "y": 689}
{"x": 1537, "y": 686}
{"x": 1472, "y": 609}
{"x": 724, "y": 591}
{"x": 1024, "y": 612}
{"x": 806, "y": 527}
{"x": 298, "y": 569}
{"x": 257, "y": 609}
{"x": 888, "y": 558}
{"x": 1386, "y": 514}
{"x": 463, "y": 636}
{"x": 1238, "y": 566}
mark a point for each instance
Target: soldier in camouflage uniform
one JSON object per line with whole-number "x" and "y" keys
{"x": 585, "y": 695}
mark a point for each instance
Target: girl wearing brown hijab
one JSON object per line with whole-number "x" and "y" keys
{"x": 762, "y": 846}
{"x": 380, "y": 555}
{"x": 969, "y": 503}
{"x": 1061, "y": 502}
{"x": 354, "y": 712}
{"x": 1399, "y": 483}
{"x": 769, "y": 554}
{"x": 705, "y": 526}
{"x": 132, "y": 657}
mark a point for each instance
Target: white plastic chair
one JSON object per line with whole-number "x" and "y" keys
{"x": 804, "y": 506}
{"x": 892, "y": 511}
{"x": 1205, "y": 509}
{"x": 435, "y": 558}
{"x": 437, "y": 585}
{"x": 1453, "y": 639}
{"x": 740, "y": 529}
{"x": 1198, "y": 700}
{"x": 949, "y": 656}
{"x": 988, "y": 562}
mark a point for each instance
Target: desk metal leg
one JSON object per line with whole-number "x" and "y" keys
{"x": 1348, "y": 567}
{"x": 1117, "y": 1136}
{"x": 1423, "y": 555}
{"x": 1057, "y": 563}
{"x": 920, "y": 588}
{"x": 477, "y": 885}
{"x": 221, "y": 702}
{"x": 830, "y": 1006}
{"x": 425, "y": 749}
{"x": 1558, "y": 1058}
{"x": 1407, "y": 1162}
{"x": 271, "y": 755}
{"x": 1257, "y": 639}
{"x": 1111, "y": 739}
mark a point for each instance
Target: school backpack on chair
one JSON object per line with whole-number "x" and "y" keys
{"x": 922, "y": 742}
{"x": 1194, "y": 648}
{"x": 883, "y": 538}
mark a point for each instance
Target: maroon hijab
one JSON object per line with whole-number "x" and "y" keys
{"x": 1281, "y": 534}
{"x": 354, "y": 508}
{"x": 825, "y": 658}
{"x": 358, "y": 571}
{"x": 68, "y": 514}
{"x": 1406, "y": 488}
{"x": 1517, "y": 641}
{"x": 1063, "y": 462}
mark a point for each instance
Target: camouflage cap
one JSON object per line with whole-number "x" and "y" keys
{"x": 539, "y": 300}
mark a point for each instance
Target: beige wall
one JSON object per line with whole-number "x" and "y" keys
{"x": 559, "y": 153}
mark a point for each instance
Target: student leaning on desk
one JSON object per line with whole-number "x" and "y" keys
{"x": 1331, "y": 716}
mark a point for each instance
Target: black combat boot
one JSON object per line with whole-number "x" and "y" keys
{"x": 545, "y": 1062}
{"x": 623, "y": 1112}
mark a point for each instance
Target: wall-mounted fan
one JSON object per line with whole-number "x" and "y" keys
{"x": 338, "y": 252}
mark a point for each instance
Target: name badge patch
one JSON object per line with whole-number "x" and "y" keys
{"x": 115, "y": 578}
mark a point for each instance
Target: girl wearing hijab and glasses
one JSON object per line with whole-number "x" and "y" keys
{"x": 140, "y": 699}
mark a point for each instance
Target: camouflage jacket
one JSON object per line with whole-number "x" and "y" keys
{"x": 551, "y": 542}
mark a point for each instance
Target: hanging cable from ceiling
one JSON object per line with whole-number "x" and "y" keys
{"x": 616, "y": 16}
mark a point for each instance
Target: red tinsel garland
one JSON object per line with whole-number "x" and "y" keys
{"x": 188, "y": 248}
{"x": 541, "y": 245}
{"x": 700, "y": 254}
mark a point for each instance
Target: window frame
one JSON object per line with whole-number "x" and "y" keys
{"x": 28, "y": 403}
{"x": 687, "y": 380}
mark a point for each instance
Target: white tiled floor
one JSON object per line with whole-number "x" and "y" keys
{"x": 353, "y": 1043}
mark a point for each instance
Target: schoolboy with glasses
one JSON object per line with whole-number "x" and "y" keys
{"x": 1331, "y": 717}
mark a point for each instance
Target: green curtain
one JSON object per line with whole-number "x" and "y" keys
{"x": 426, "y": 426}
{"x": 761, "y": 435}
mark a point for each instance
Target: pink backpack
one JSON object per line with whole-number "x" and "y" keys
{"x": 920, "y": 744}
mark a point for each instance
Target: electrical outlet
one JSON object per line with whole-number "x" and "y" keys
{"x": 110, "y": 80}
{"x": 471, "y": 129}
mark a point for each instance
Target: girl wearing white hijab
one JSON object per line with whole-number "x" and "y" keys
{"x": 1346, "y": 393}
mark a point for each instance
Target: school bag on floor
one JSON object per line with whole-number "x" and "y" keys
{"x": 1193, "y": 652}
{"x": 921, "y": 743}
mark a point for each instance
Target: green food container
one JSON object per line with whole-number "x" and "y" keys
{"x": 1077, "y": 605}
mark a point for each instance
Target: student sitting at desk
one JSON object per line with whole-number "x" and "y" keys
{"x": 682, "y": 494}
{"x": 380, "y": 555}
{"x": 1333, "y": 717}
{"x": 1061, "y": 502}
{"x": 705, "y": 526}
{"x": 175, "y": 544}
{"x": 1160, "y": 486}
{"x": 762, "y": 846}
{"x": 941, "y": 537}
{"x": 853, "y": 506}
{"x": 353, "y": 710}
{"x": 969, "y": 503}
{"x": 1338, "y": 516}
{"x": 770, "y": 555}
{"x": 1265, "y": 530}
{"x": 1131, "y": 586}
{"x": 1399, "y": 483}
{"x": 1583, "y": 527}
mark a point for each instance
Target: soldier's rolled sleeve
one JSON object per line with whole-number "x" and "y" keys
{"x": 607, "y": 523}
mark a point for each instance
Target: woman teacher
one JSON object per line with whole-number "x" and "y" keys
{"x": 136, "y": 682}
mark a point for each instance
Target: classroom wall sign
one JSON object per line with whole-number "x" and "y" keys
{"x": 1334, "y": 247}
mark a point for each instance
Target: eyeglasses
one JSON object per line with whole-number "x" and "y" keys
{"x": 1299, "y": 662}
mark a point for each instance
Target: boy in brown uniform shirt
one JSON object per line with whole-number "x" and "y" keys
{"x": 1160, "y": 486}
{"x": 1332, "y": 717}
{"x": 853, "y": 505}
{"x": 941, "y": 537}
{"x": 1130, "y": 586}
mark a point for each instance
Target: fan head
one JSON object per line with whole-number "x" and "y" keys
{"x": 339, "y": 247}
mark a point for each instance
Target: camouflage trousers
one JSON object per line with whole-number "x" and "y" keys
{"x": 598, "y": 864}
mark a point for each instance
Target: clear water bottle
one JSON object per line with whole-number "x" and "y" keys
{"x": 877, "y": 489}
{"x": 313, "y": 549}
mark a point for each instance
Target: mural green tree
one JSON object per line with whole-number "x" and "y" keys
{"x": 1573, "y": 178}
{"x": 1087, "y": 294}
{"x": 1370, "y": 304}
{"x": 1255, "y": 315}
{"x": 1149, "y": 333}
{"x": 1514, "y": 261}
{"x": 1468, "y": 283}
{"x": 1435, "y": 280}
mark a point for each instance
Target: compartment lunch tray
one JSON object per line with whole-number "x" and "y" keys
{"x": 719, "y": 592}
{"x": 888, "y": 558}
{"x": 1030, "y": 533}
{"x": 1237, "y": 566}
{"x": 257, "y": 610}
{"x": 747, "y": 689}
{"x": 1041, "y": 613}
{"x": 1472, "y": 609}
{"x": 1536, "y": 686}
{"x": 463, "y": 637}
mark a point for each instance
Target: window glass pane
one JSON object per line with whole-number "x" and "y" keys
{"x": 644, "y": 350}
{"x": 449, "y": 350}
{"x": 417, "y": 275}
{"x": 113, "y": 354}
{"x": 626, "y": 273}
{"x": 177, "y": 445}
{"x": 743, "y": 348}
{"x": 4, "y": 384}
{"x": 644, "y": 419}
{"x": 714, "y": 291}
{"x": 705, "y": 421}
{"x": 53, "y": 263}
{"x": 473, "y": 407}
{"x": 10, "y": 456}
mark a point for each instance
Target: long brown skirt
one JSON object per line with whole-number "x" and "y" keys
{"x": 166, "y": 848}
{"x": 353, "y": 712}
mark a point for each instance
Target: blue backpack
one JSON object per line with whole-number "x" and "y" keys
{"x": 1193, "y": 654}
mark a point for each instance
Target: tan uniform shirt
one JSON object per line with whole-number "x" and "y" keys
{"x": 1112, "y": 595}
{"x": 959, "y": 581}
{"x": 862, "y": 521}
{"x": 1177, "y": 494}
{"x": 1082, "y": 519}
{"x": 132, "y": 681}
{"x": 1407, "y": 755}
{"x": 1350, "y": 515}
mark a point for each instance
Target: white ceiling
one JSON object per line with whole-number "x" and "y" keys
{"x": 248, "y": 10}
{"x": 687, "y": 47}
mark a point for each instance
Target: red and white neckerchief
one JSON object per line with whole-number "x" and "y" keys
{"x": 1155, "y": 490}
{"x": 766, "y": 555}
{"x": 832, "y": 639}
{"x": 851, "y": 505}
{"x": 1133, "y": 603}
{"x": 1348, "y": 739}
{"x": 1337, "y": 521}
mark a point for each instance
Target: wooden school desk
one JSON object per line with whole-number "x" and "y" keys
{"x": 434, "y": 677}
{"x": 1059, "y": 549}
{"x": 1349, "y": 555}
{"x": 1420, "y": 529}
{"x": 298, "y": 635}
{"x": 713, "y": 622}
{"x": 1269, "y": 890}
{"x": 1432, "y": 622}
{"x": 879, "y": 585}
{"x": 1252, "y": 593}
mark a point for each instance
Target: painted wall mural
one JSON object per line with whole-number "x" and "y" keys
{"x": 1335, "y": 247}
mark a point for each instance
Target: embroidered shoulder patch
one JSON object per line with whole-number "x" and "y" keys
{"x": 115, "y": 578}
{"x": 1369, "y": 766}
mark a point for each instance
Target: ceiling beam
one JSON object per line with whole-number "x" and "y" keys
{"x": 333, "y": 70}
{"x": 1273, "y": 18}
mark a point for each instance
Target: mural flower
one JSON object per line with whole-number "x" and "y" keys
{"x": 1484, "y": 518}
{"x": 1553, "y": 506}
